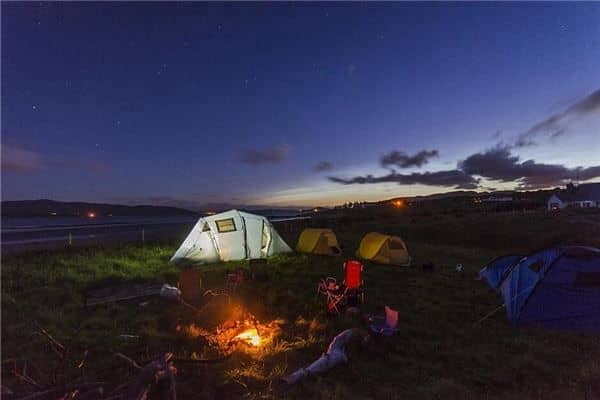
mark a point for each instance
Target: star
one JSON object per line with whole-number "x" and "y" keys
{"x": 34, "y": 107}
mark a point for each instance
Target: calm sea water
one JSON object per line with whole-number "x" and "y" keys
{"x": 52, "y": 223}
{"x": 22, "y": 234}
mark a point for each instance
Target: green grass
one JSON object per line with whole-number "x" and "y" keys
{"x": 440, "y": 352}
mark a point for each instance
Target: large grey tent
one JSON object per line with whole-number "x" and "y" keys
{"x": 228, "y": 236}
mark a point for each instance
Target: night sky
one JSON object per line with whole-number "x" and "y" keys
{"x": 197, "y": 104}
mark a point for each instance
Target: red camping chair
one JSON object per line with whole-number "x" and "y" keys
{"x": 353, "y": 282}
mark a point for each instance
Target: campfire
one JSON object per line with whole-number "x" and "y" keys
{"x": 249, "y": 336}
{"x": 246, "y": 334}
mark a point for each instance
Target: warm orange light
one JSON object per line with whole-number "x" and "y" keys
{"x": 398, "y": 203}
{"x": 250, "y": 336}
{"x": 91, "y": 214}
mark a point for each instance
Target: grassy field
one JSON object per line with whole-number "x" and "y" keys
{"x": 440, "y": 352}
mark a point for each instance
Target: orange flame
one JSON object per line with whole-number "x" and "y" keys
{"x": 250, "y": 336}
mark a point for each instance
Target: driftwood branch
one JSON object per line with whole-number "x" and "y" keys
{"x": 55, "y": 345}
{"x": 131, "y": 362}
{"x": 156, "y": 378}
{"x": 160, "y": 372}
{"x": 23, "y": 377}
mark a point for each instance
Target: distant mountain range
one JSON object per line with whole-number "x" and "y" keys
{"x": 534, "y": 194}
{"x": 45, "y": 208}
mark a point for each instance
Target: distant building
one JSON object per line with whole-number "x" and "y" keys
{"x": 582, "y": 196}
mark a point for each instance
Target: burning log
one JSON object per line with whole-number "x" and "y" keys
{"x": 335, "y": 355}
{"x": 246, "y": 331}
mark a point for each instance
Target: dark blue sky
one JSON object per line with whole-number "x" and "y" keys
{"x": 195, "y": 103}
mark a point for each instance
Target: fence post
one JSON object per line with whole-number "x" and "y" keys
{"x": 143, "y": 236}
{"x": 70, "y": 239}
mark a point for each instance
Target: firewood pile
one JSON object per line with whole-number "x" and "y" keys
{"x": 154, "y": 379}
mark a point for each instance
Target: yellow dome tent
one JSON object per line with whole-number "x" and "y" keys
{"x": 383, "y": 249}
{"x": 318, "y": 241}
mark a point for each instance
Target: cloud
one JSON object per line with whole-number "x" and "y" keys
{"x": 499, "y": 164}
{"x": 323, "y": 166}
{"x": 451, "y": 178}
{"x": 554, "y": 125}
{"x": 402, "y": 160}
{"x": 17, "y": 159}
{"x": 273, "y": 155}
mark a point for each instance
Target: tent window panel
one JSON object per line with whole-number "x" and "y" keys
{"x": 225, "y": 225}
{"x": 587, "y": 280}
{"x": 396, "y": 245}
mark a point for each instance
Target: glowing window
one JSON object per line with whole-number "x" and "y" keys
{"x": 225, "y": 225}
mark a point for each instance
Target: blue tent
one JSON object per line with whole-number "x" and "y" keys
{"x": 557, "y": 288}
{"x": 495, "y": 271}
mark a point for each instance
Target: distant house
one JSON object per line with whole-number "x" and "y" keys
{"x": 582, "y": 196}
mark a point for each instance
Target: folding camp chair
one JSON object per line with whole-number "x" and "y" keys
{"x": 234, "y": 280}
{"x": 190, "y": 284}
{"x": 257, "y": 268}
{"x": 385, "y": 326}
{"x": 349, "y": 293}
{"x": 327, "y": 285}
{"x": 353, "y": 282}
{"x": 334, "y": 295}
